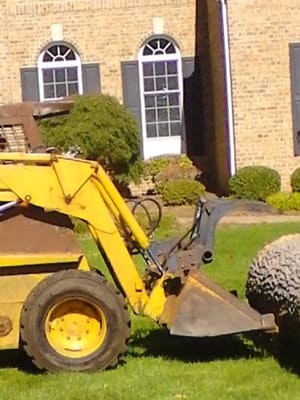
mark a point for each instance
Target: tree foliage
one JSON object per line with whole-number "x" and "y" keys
{"x": 104, "y": 131}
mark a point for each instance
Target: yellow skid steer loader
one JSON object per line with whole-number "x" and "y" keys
{"x": 69, "y": 317}
{"x": 65, "y": 314}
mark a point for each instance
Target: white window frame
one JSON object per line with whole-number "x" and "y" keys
{"x": 56, "y": 65}
{"x": 152, "y": 58}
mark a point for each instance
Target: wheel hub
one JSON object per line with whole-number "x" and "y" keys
{"x": 75, "y": 328}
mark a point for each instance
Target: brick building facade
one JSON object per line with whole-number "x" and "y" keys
{"x": 265, "y": 66}
{"x": 215, "y": 78}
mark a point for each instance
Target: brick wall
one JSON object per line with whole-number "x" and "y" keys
{"x": 104, "y": 31}
{"x": 111, "y": 31}
{"x": 4, "y": 60}
{"x": 260, "y": 33}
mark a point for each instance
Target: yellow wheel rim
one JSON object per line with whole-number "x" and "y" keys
{"x": 75, "y": 328}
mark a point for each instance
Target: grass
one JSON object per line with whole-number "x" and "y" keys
{"x": 159, "y": 366}
{"x": 237, "y": 245}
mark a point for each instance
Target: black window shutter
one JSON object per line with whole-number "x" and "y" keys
{"x": 193, "y": 134}
{"x": 91, "y": 82}
{"x": 131, "y": 91}
{"x": 30, "y": 84}
{"x": 295, "y": 83}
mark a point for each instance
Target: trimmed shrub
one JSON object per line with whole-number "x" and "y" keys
{"x": 284, "y": 201}
{"x": 169, "y": 168}
{"x": 104, "y": 130}
{"x": 254, "y": 183}
{"x": 295, "y": 180}
{"x": 154, "y": 165}
{"x": 182, "y": 191}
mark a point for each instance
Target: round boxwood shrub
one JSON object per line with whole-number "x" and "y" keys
{"x": 104, "y": 131}
{"x": 254, "y": 183}
{"x": 182, "y": 191}
{"x": 284, "y": 201}
{"x": 295, "y": 180}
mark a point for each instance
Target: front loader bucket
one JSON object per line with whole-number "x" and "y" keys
{"x": 202, "y": 308}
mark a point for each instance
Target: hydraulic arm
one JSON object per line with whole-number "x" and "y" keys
{"x": 80, "y": 189}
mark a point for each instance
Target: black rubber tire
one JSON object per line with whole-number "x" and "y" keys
{"x": 273, "y": 283}
{"x": 73, "y": 284}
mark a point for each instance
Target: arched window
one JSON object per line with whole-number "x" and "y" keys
{"x": 161, "y": 91}
{"x": 59, "y": 70}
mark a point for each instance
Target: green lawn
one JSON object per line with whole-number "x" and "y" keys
{"x": 158, "y": 366}
{"x": 235, "y": 247}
